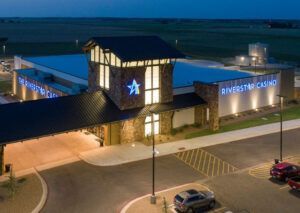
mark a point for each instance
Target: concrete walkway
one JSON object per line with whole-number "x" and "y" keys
{"x": 125, "y": 153}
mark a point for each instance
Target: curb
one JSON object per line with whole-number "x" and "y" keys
{"x": 127, "y": 206}
{"x": 43, "y": 200}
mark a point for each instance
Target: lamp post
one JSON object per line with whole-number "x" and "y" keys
{"x": 254, "y": 59}
{"x": 281, "y": 108}
{"x": 4, "y": 49}
{"x": 153, "y": 196}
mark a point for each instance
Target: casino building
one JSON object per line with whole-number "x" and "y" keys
{"x": 127, "y": 88}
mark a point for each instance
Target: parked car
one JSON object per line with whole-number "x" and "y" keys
{"x": 284, "y": 171}
{"x": 295, "y": 183}
{"x": 191, "y": 200}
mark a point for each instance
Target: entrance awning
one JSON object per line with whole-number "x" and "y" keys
{"x": 34, "y": 119}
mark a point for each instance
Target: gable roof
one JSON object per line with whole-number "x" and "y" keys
{"x": 43, "y": 117}
{"x": 136, "y": 48}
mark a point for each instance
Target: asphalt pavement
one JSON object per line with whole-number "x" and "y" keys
{"x": 81, "y": 187}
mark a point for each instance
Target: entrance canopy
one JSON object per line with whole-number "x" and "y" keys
{"x": 34, "y": 119}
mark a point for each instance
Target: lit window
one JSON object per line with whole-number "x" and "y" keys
{"x": 92, "y": 54}
{"x": 155, "y": 96}
{"x": 107, "y": 77}
{"x": 148, "y": 97}
{"x": 118, "y": 62}
{"x": 155, "y": 61}
{"x": 152, "y": 92}
{"x": 149, "y": 122}
{"x": 101, "y": 76}
{"x": 140, "y": 63}
{"x": 97, "y": 54}
{"x": 102, "y": 56}
{"x": 113, "y": 60}
{"x": 148, "y": 77}
{"x": 107, "y": 58}
{"x": 104, "y": 76}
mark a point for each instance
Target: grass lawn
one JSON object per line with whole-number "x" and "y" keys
{"x": 288, "y": 114}
{"x": 5, "y": 86}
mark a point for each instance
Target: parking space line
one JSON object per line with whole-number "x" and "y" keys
{"x": 213, "y": 168}
{"x": 204, "y": 161}
{"x": 218, "y": 172}
{"x": 284, "y": 187}
{"x": 219, "y": 209}
{"x": 191, "y": 156}
{"x": 208, "y": 165}
{"x": 195, "y": 161}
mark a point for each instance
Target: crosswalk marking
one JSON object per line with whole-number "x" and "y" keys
{"x": 205, "y": 162}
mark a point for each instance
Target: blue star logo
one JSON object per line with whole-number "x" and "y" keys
{"x": 134, "y": 88}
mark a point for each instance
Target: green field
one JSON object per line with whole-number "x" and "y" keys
{"x": 199, "y": 38}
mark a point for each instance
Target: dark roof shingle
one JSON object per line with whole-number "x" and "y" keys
{"x": 137, "y": 48}
{"x": 33, "y": 119}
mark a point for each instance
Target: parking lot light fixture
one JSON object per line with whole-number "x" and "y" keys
{"x": 281, "y": 98}
{"x": 153, "y": 196}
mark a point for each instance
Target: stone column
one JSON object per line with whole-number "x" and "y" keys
{"x": 2, "y": 159}
{"x": 210, "y": 93}
{"x": 165, "y": 122}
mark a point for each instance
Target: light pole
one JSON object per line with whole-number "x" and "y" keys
{"x": 254, "y": 59}
{"x": 4, "y": 48}
{"x": 281, "y": 97}
{"x": 153, "y": 197}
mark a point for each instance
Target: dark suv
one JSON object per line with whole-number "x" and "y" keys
{"x": 284, "y": 171}
{"x": 191, "y": 200}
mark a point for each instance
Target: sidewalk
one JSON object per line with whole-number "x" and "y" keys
{"x": 125, "y": 153}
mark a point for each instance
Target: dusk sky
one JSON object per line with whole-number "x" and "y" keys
{"x": 285, "y": 9}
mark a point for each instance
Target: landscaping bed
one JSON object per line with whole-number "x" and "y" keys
{"x": 27, "y": 195}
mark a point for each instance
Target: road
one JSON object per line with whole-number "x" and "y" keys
{"x": 80, "y": 187}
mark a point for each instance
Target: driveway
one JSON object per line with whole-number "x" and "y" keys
{"x": 81, "y": 187}
{"x": 47, "y": 150}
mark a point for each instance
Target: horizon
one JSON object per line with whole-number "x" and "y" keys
{"x": 149, "y": 18}
{"x": 214, "y": 9}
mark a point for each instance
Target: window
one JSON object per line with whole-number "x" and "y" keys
{"x": 102, "y": 56}
{"x": 97, "y": 50}
{"x": 118, "y": 62}
{"x": 104, "y": 76}
{"x": 152, "y": 85}
{"x": 193, "y": 199}
{"x": 92, "y": 54}
{"x": 149, "y": 123}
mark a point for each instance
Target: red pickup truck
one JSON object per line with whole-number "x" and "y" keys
{"x": 294, "y": 183}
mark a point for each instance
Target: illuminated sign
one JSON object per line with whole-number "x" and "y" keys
{"x": 248, "y": 87}
{"x": 34, "y": 87}
{"x": 134, "y": 88}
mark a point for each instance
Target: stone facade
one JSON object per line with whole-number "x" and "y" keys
{"x": 200, "y": 115}
{"x": 1, "y": 159}
{"x": 132, "y": 130}
{"x": 166, "y": 123}
{"x": 93, "y": 77}
{"x": 128, "y": 101}
{"x": 166, "y": 83}
{"x": 210, "y": 93}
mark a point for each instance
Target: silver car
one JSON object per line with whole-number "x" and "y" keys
{"x": 191, "y": 200}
